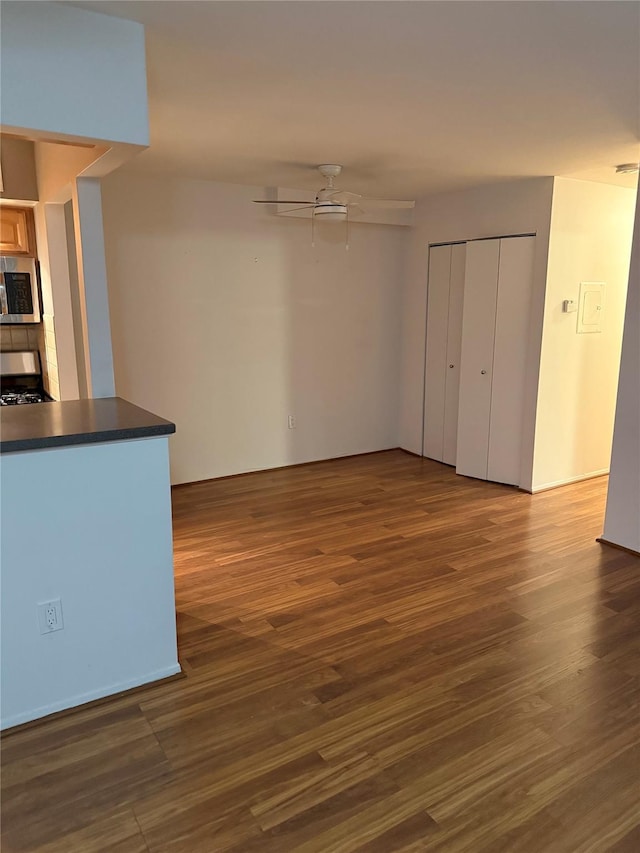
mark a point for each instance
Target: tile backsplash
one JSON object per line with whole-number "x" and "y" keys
{"x": 49, "y": 357}
{"x": 21, "y": 337}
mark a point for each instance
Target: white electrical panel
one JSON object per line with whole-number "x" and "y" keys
{"x": 590, "y": 306}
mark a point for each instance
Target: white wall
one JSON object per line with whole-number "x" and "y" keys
{"x": 103, "y": 546}
{"x": 514, "y": 207}
{"x": 225, "y": 320}
{"x": 92, "y": 276}
{"x": 622, "y": 521}
{"x": 71, "y": 71}
{"x": 591, "y": 229}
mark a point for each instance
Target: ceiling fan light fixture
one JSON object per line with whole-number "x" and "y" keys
{"x": 627, "y": 168}
{"x": 330, "y": 211}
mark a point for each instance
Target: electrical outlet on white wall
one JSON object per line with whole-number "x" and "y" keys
{"x": 291, "y": 422}
{"x": 50, "y": 616}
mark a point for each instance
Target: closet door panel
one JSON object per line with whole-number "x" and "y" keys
{"x": 478, "y": 330}
{"x": 515, "y": 276}
{"x": 436, "y": 350}
{"x": 454, "y": 351}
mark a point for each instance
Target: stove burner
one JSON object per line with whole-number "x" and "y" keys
{"x": 11, "y": 398}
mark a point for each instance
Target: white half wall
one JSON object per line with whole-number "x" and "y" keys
{"x": 103, "y": 546}
{"x": 514, "y": 207}
{"x": 225, "y": 320}
{"x": 622, "y": 520}
{"x": 591, "y": 230}
{"x": 70, "y": 71}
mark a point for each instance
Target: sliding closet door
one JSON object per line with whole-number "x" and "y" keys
{"x": 454, "y": 351}
{"x": 478, "y": 332}
{"x": 515, "y": 278}
{"x": 436, "y": 350}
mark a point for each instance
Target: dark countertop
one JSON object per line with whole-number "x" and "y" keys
{"x": 41, "y": 425}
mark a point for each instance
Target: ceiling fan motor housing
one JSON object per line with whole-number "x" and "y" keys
{"x": 326, "y": 209}
{"x": 330, "y": 211}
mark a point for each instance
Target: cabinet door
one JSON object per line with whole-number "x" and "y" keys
{"x": 476, "y": 367}
{"x": 515, "y": 277}
{"x": 436, "y": 351}
{"x": 16, "y": 231}
{"x": 454, "y": 350}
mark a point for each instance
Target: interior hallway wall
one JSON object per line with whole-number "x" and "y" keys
{"x": 225, "y": 320}
{"x": 591, "y": 230}
{"x": 622, "y": 521}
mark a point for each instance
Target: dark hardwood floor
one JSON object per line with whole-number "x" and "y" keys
{"x": 379, "y": 656}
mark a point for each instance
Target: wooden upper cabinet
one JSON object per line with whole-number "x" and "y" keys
{"x": 17, "y": 231}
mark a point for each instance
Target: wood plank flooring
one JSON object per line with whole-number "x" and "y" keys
{"x": 379, "y": 656}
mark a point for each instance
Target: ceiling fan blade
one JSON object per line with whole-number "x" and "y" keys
{"x": 388, "y": 203}
{"x": 342, "y": 197}
{"x": 296, "y": 209}
{"x": 280, "y": 201}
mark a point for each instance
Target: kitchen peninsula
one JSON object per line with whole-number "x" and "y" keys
{"x": 86, "y": 526}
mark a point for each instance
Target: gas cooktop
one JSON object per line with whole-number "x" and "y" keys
{"x": 21, "y": 379}
{"x": 12, "y": 398}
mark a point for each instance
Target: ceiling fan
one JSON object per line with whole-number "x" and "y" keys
{"x": 334, "y": 205}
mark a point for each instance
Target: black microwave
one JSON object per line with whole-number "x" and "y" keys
{"x": 19, "y": 290}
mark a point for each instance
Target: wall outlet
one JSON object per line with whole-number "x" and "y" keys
{"x": 291, "y": 422}
{"x": 50, "y": 616}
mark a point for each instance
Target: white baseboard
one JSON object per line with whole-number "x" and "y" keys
{"x": 83, "y": 698}
{"x": 546, "y": 486}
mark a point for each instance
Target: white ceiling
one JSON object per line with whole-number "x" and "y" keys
{"x": 412, "y": 97}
